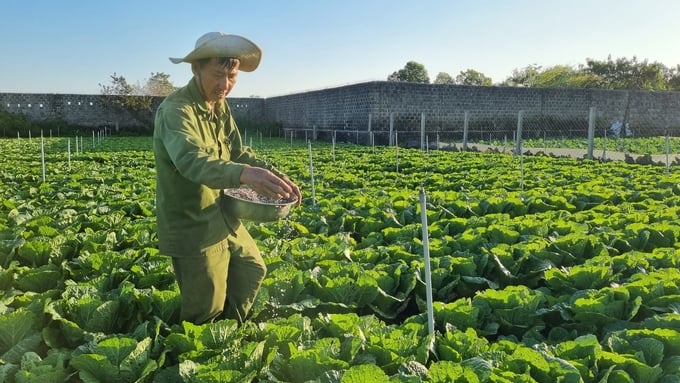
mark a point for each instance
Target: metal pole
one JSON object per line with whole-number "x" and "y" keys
{"x": 518, "y": 136}
{"x": 311, "y": 172}
{"x": 518, "y": 149}
{"x": 426, "y": 253}
{"x": 591, "y": 132}
{"x": 391, "y": 138}
{"x": 466, "y": 120}
{"x": 42, "y": 154}
{"x": 668, "y": 153}
{"x": 396, "y": 154}
{"x": 422, "y": 131}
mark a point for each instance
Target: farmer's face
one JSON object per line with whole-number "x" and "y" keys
{"x": 216, "y": 79}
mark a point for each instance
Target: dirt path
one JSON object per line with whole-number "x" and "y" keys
{"x": 658, "y": 159}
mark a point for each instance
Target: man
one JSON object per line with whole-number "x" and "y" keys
{"x": 199, "y": 152}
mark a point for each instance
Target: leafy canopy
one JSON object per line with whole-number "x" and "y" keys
{"x": 411, "y": 72}
{"x": 620, "y": 73}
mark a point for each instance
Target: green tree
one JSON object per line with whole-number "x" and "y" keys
{"x": 158, "y": 85}
{"x": 624, "y": 73}
{"x": 563, "y": 76}
{"x": 444, "y": 78}
{"x": 13, "y": 123}
{"x": 119, "y": 87}
{"x": 523, "y": 77}
{"x": 122, "y": 95}
{"x": 672, "y": 78}
{"x": 136, "y": 100}
{"x": 472, "y": 77}
{"x": 412, "y": 72}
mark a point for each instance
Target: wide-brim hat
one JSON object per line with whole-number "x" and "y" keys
{"x": 218, "y": 44}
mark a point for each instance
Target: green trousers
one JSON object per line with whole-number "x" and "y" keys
{"x": 222, "y": 282}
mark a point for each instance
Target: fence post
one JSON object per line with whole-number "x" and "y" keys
{"x": 520, "y": 122}
{"x": 591, "y": 132}
{"x": 422, "y": 130}
{"x": 391, "y": 138}
{"x": 668, "y": 153}
{"x": 466, "y": 121}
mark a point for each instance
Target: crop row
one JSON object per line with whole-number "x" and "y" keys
{"x": 542, "y": 269}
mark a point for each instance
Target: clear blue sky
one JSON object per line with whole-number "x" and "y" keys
{"x": 69, "y": 46}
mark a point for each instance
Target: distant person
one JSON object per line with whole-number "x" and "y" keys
{"x": 199, "y": 152}
{"x": 627, "y": 130}
{"x": 616, "y": 128}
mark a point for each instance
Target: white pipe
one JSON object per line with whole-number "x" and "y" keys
{"x": 311, "y": 172}
{"x": 426, "y": 252}
{"x": 333, "y": 146}
{"x": 466, "y": 121}
{"x": 668, "y": 153}
{"x": 422, "y": 131}
{"x": 396, "y": 155}
{"x": 518, "y": 149}
{"x": 591, "y": 132}
{"x": 42, "y": 155}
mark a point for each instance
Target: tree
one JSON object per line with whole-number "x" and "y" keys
{"x": 158, "y": 85}
{"x": 624, "y": 73}
{"x": 121, "y": 95}
{"x": 119, "y": 87}
{"x": 136, "y": 100}
{"x": 444, "y": 78}
{"x": 672, "y": 77}
{"x": 523, "y": 77}
{"x": 412, "y": 72}
{"x": 562, "y": 76}
{"x": 472, "y": 77}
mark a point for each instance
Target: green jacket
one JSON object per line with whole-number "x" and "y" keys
{"x": 197, "y": 155}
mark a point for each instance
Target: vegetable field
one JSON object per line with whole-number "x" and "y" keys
{"x": 542, "y": 269}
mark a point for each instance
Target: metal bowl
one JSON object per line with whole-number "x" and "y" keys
{"x": 254, "y": 210}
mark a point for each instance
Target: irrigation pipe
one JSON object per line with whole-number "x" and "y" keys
{"x": 333, "y": 147}
{"x": 521, "y": 168}
{"x": 426, "y": 253}
{"x": 311, "y": 172}
{"x": 42, "y": 155}
{"x": 518, "y": 149}
{"x": 396, "y": 155}
{"x": 668, "y": 154}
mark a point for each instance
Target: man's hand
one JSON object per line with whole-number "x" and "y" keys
{"x": 269, "y": 184}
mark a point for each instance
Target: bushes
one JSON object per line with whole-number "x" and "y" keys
{"x": 12, "y": 124}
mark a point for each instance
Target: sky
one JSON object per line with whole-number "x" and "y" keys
{"x": 75, "y": 46}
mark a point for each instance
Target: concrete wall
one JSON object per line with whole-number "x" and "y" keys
{"x": 94, "y": 111}
{"x": 404, "y": 106}
{"x": 490, "y": 109}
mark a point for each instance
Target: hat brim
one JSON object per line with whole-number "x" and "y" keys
{"x": 246, "y": 51}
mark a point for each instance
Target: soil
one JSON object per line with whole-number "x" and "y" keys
{"x": 248, "y": 194}
{"x": 600, "y": 155}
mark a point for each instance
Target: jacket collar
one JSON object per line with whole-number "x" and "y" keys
{"x": 199, "y": 100}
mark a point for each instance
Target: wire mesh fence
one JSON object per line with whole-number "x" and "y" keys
{"x": 589, "y": 135}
